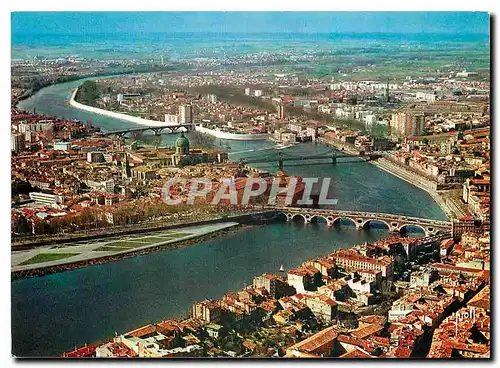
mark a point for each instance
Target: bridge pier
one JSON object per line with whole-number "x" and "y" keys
{"x": 360, "y": 223}
{"x": 329, "y": 221}
{"x": 395, "y": 228}
{"x": 430, "y": 231}
{"x": 289, "y": 216}
{"x": 280, "y": 161}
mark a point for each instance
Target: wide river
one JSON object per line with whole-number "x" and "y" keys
{"x": 55, "y": 313}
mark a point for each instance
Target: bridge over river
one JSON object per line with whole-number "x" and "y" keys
{"x": 394, "y": 223}
{"x": 157, "y": 130}
{"x": 329, "y": 155}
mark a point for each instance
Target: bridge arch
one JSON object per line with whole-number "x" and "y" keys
{"x": 305, "y": 217}
{"x": 367, "y": 222}
{"x": 337, "y": 220}
{"x": 404, "y": 226}
{"x": 393, "y": 223}
{"x": 157, "y": 131}
{"x": 282, "y": 215}
{"x": 326, "y": 218}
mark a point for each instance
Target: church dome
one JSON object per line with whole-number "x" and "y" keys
{"x": 182, "y": 141}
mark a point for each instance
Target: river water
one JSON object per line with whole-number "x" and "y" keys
{"x": 55, "y": 313}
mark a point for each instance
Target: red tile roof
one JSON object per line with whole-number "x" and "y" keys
{"x": 314, "y": 342}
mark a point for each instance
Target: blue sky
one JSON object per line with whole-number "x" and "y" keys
{"x": 219, "y": 22}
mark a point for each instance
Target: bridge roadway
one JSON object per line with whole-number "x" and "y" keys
{"x": 156, "y": 129}
{"x": 330, "y": 155}
{"x": 395, "y": 223}
{"x": 300, "y": 158}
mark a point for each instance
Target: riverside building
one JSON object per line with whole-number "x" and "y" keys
{"x": 406, "y": 124}
{"x": 185, "y": 114}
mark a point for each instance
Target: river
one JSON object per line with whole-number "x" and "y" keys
{"x": 55, "y": 313}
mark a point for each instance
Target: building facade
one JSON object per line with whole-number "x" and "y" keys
{"x": 185, "y": 114}
{"x": 406, "y": 124}
{"x": 17, "y": 142}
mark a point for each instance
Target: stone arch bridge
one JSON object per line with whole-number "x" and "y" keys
{"x": 157, "y": 130}
{"x": 395, "y": 223}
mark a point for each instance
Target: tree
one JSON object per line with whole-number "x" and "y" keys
{"x": 232, "y": 343}
{"x": 379, "y": 130}
{"x": 22, "y": 187}
{"x": 22, "y": 226}
{"x": 87, "y": 93}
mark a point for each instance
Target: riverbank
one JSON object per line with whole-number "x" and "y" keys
{"x": 64, "y": 79}
{"x": 417, "y": 181}
{"x": 412, "y": 178}
{"x": 231, "y": 136}
{"x": 91, "y": 253}
{"x": 112, "y": 114}
{"x": 339, "y": 146}
{"x": 28, "y": 242}
{"x": 31, "y": 91}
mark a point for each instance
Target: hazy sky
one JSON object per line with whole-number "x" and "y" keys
{"x": 303, "y": 22}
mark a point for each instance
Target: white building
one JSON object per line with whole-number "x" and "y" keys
{"x": 110, "y": 186}
{"x": 295, "y": 127}
{"x": 426, "y": 96}
{"x": 247, "y": 91}
{"x": 46, "y": 199}
{"x": 360, "y": 115}
{"x": 312, "y": 132}
{"x": 383, "y": 86}
{"x": 350, "y": 86}
{"x": 171, "y": 119}
{"x": 369, "y": 120}
{"x": 61, "y": 146}
{"x": 324, "y": 109}
{"x": 17, "y": 142}
{"x": 107, "y": 186}
{"x": 29, "y": 136}
{"x": 257, "y": 93}
{"x": 185, "y": 114}
{"x": 41, "y": 125}
{"x": 289, "y": 137}
{"x": 400, "y": 309}
{"x": 24, "y": 127}
{"x": 212, "y": 98}
{"x": 465, "y": 73}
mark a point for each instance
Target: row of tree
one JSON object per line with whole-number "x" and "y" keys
{"x": 88, "y": 93}
{"x": 94, "y": 218}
